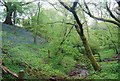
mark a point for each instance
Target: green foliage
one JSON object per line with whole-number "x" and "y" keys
{"x": 110, "y": 67}
{"x": 109, "y": 71}
{"x": 104, "y": 76}
{"x": 107, "y": 54}
{"x": 53, "y": 58}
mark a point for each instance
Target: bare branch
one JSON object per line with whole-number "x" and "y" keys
{"x": 53, "y": 6}
{"x": 97, "y": 18}
{"x": 118, "y": 1}
{"x": 3, "y": 2}
{"x": 22, "y": 4}
{"x": 66, "y": 35}
{"x": 87, "y": 8}
{"x": 83, "y": 8}
{"x": 8, "y": 71}
{"x": 62, "y": 22}
{"x": 55, "y": 22}
{"x": 111, "y": 14}
{"x": 64, "y": 5}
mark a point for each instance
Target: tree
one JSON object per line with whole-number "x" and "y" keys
{"x": 79, "y": 29}
{"x": 10, "y": 8}
{"x": 87, "y": 10}
{"x": 113, "y": 15}
{"x": 35, "y": 31}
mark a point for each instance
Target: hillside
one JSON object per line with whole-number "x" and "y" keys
{"x": 20, "y": 35}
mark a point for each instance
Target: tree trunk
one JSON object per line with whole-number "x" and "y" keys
{"x": 79, "y": 28}
{"x": 89, "y": 54}
{"x": 8, "y": 19}
{"x": 35, "y": 37}
{"x": 88, "y": 51}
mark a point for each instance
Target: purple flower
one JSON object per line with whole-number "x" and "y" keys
{"x": 14, "y": 39}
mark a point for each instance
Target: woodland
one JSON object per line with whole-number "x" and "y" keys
{"x": 57, "y": 40}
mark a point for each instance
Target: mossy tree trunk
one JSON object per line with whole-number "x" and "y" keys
{"x": 89, "y": 53}
{"x": 79, "y": 29}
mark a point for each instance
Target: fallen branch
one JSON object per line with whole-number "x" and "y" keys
{"x": 8, "y": 71}
{"x": 110, "y": 59}
{"x": 27, "y": 65}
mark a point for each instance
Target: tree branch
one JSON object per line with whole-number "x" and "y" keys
{"x": 74, "y": 14}
{"x": 55, "y": 22}
{"x": 66, "y": 35}
{"x": 53, "y": 6}
{"x": 111, "y": 14}
{"x": 2, "y": 2}
{"x": 118, "y": 1}
{"x": 22, "y": 4}
{"x": 97, "y": 18}
{"x": 74, "y": 5}
{"x": 7, "y": 70}
{"x": 64, "y": 5}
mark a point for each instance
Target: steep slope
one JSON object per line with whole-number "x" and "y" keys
{"x": 20, "y": 35}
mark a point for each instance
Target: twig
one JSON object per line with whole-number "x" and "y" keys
{"x": 27, "y": 65}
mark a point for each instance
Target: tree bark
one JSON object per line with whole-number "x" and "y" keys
{"x": 79, "y": 29}
{"x": 89, "y": 53}
{"x": 8, "y": 19}
{"x": 95, "y": 65}
{"x": 35, "y": 38}
{"x": 10, "y": 7}
{"x": 8, "y": 71}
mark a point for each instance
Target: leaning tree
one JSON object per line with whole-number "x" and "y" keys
{"x": 79, "y": 29}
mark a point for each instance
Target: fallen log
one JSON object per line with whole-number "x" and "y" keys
{"x": 109, "y": 59}
{"x": 8, "y": 71}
